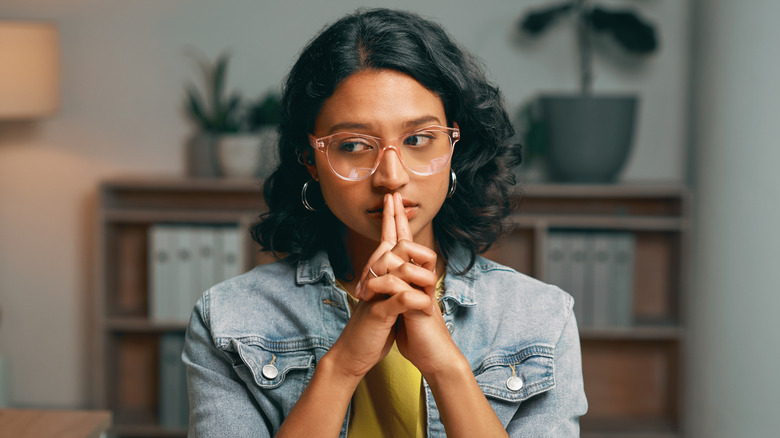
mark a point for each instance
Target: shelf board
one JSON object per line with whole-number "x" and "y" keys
{"x": 188, "y": 216}
{"x": 595, "y": 191}
{"x": 149, "y": 430}
{"x": 142, "y": 325}
{"x": 639, "y": 223}
{"x": 160, "y": 183}
{"x": 639, "y": 333}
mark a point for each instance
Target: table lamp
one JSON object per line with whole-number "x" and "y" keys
{"x": 29, "y": 65}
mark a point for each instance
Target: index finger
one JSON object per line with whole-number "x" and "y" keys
{"x": 401, "y": 222}
{"x": 388, "y": 221}
{"x": 387, "y": 239}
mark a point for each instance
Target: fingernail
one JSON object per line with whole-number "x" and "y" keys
{"x": 358, "y": 289}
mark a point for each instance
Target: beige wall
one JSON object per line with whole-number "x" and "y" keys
{"x": 123, "y": 70}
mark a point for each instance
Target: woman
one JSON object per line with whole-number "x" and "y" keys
{"x": 382, "y": 319}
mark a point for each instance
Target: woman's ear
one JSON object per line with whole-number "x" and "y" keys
{"x": 308, "y": 160}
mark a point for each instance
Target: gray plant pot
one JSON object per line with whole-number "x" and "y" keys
{"x": 201, "y": 156}
{"x": 589, "y": 137}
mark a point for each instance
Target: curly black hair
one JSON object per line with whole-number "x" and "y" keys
{"x": 405, "y": 42}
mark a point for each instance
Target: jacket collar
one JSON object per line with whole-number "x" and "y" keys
{"x": 459, "y": 288}
{"x": 315, "y": 269}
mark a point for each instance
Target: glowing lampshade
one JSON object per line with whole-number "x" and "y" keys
{"x": 29, "y": 69}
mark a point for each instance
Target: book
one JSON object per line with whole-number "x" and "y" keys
{"x": 184, "y": 261}
{"x": 205, "y": 261}
{"x": 600, "y": 260}
{"x": 579, "y": 282}
{"x": 229, "y": 260}
{"x": 185, "y": 273}
{"x": 161, "y": 271}
{"x": 173, "y": 408}
{"x": 554, "y": 260}
{"x": 565, "y": 267}
{"x": 621, "y": 312}
{"x": 611, "y": 263}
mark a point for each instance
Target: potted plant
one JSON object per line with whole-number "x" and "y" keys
{"x": 215, "y": 114}
{"x": 235, "y": 138}
{"x": 589, "y": 136}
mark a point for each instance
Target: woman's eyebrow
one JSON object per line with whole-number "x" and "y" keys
{"x": 346, "y": 126}
{"x": 414, "y": 123}
{"x": 424, "y": 120}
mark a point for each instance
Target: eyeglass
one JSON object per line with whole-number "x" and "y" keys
{"x": 354, "y": 157}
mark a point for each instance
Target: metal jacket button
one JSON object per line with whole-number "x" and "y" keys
{"x": 270, "y": 372}
{"x": 514, "y": 383}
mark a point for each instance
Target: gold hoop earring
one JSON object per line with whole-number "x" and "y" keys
{"x": 304, "y": 199}
{"x": 453, "y": 183}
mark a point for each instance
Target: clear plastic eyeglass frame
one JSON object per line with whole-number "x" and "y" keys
{"x": 430, "y": 167}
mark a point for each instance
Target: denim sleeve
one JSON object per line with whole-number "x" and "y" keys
{"x": 556, "y": 413}
{"x": 220, "y": 403}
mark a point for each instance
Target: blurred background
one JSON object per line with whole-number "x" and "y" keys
{"x": 708, "y": 120}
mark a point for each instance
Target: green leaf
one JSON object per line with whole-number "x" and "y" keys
{"x": 213, "y": 109}
{"x": 195, "y": 106}
{"x": 220, "y": 73}
{"x": 538, "y": 20}
{"x": 265, "y": 111}
{"x": 627, "y": 28}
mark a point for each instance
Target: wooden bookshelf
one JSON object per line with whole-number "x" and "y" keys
{"x": 127, "y": 342}
{"x": 633, "y": 375}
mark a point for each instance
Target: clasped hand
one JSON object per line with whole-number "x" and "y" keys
{"x": 397, "y": 303}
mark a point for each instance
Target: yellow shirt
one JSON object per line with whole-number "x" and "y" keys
{"x": 389, "y": 401}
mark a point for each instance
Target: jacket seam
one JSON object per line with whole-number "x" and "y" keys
{"x": 204, "y": 311}
{"x": 528, "y": 392}
{"x": 276, "y": 346}
{"x": 519, "y": 357}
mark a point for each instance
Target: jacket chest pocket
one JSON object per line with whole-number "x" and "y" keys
{"x": 508, "y": 379}
{"x": 274, "y": 377}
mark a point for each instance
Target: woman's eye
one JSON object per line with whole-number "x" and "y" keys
{"x": 419, "y": 139}
{"x": 354, "y": 145}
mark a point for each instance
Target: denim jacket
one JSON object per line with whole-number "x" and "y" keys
{"x": 254, "y": 342}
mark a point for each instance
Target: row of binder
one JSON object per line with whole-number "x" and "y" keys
{"x": 185, "y": 261}
{"x": 597, "y": 269}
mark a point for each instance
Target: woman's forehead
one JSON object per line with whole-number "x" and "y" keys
{"x": 377, "y": 100}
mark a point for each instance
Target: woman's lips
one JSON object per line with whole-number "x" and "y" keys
{"x": 410, "y": 210}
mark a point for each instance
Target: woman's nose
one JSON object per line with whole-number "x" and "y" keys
{"x": 390, "y": 172}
